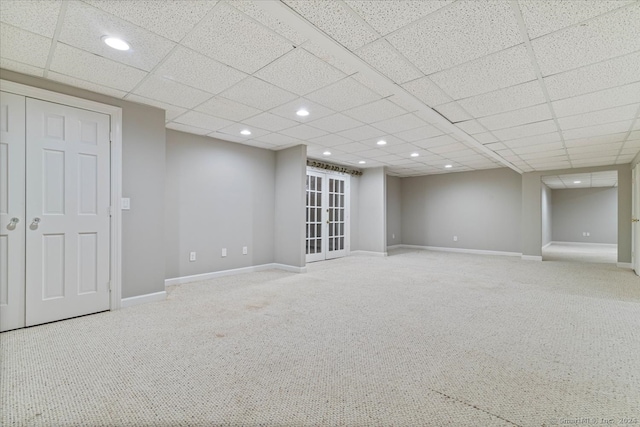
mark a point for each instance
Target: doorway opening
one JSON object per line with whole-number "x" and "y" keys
{"x": 580, "y": 217}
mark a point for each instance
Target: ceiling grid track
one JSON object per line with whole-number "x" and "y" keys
{"x": 285, "y": 13}
{"x": 534, "y": 62}
{"x": 56, "y": 35}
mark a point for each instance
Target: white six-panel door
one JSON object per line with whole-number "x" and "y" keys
{"x": 12, "y": 220}
{"x": 67, "y": 212}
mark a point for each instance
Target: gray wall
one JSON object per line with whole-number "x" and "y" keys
{"x": 532, "y": 211}
{"x": 394, "y": 210}
{"x": 290, "y": 193}
{"x": 546, "y": 215}
{"x": 143, "y": 180}
{"x": 481, "y": 208}
{"x": 372, "y": 211}
{"x": 579, "y": 210}
{"x": 219, "y": 195}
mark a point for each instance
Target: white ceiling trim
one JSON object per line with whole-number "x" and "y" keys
{"x": 284, "y": 13}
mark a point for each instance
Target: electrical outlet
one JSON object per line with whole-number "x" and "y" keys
{"x": 393, "y": 236}
{"x": 224, "y": 252}
{"x": 244, "y": 250}
{"x": 588, "y": 234}
{"x": 584, "y": 234}
{"x": 192, "y": 256}
{"x": 455, "y": 238}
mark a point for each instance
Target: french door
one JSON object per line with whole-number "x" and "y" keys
{"x": 327, "y": 211}
{"x": 55, "y": 212}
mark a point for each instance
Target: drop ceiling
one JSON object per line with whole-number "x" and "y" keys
{"x": 605, "y": 179}
{"x": 532, "y": 85}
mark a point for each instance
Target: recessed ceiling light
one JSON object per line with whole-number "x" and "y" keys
{"x": 414, "y": 154}
{"x": 245, "y": 132}
{"x": 448, "y": 166}
{"x": 302, "y": 112}
{"x": 577, "y": 182}
{"x": 116, "y": 43}
{"x": 382, "y": 142}
{"x": 362, "y": 162}
{"x": 327, "y": 153}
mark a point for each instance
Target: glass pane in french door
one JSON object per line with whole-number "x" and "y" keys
{"x": 314, "y": 215}
{"x": 336, "y": 215}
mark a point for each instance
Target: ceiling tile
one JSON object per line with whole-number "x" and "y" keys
{"x": 300, "y": 72}
{"x": 502, "y": 100}
{"x": 19, "y": 67}
{"x": 485, "y": 138}
{"x": 343, "y": 95}
{"x": 445, "y": 149}
{"x": 605, "y": 37}
{"x": 196, "y": 70}
{"x": 336, "y": 20}
{"x": 289, "y": 110}
{"x": 93, "y": 87}
{"x": 595, "y": 77}
{"x": 419, "y": 133}
{"x": 37, "y": 17}
{"x": 250, "y": 8}
{"x": 258, "y": 94}
{"x": 303, "y": 132}
{"x": 540, "y": 148}
{"x": 399, "y": 124}
{"x": 435, "y": 141}
{"x": 172, "y": 19}
{"x": 375, "y": 111}
{"x": 402, "y": 149}
{"x": 335, "y": 123}
{"x": 462, "y": 32}
{"x": 533, "y": 140}
{"x": 231, "y": 37}
{"x": 171, "y": 111}
{"x": 235, "y": 129}
{"x": 543, "y": 156}
{"x": 227, "y": 137}
{"x": 383, "y": 57}
{"x": 383, "y": 90}
{"x": 386, "y": 17}
{"x": 529, "y": 129}
{"x": 95, "y": 69}
{"x": 84, "y": 26}
{"x": 330, "y": 140}
{"x": 596, "y": 140}
{"x": 506, "y": 68}
{"x": 522, "y": 116}
{"x": 496, "y": 146}
{"x": 545, "y": 16}
{"x": 626, "y": 112}
{"x": 471, "y": 127}
{"x": 362, "y": 133}
{"x": 605, "y": 129}
{"x": 453, "y": 112}
{"x": 322, "y": 54}
{"x": 171, "y": 92}
{"x": 270, "y": 122}
{"x": 188, "y": 129}
{"x": 227, "y": 109}
{"x": 23, "y": 46}
{"x": 354, "y": 147}
{"x": 203, "y": 121}
{"x": 277, "y": 139}
{"x": 427, "y": 91}
{"x": 608, "y": 98}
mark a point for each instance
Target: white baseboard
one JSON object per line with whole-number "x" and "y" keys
{"x": 547, "y": 245}
{"x": 461, "y": 250}
{"x": 143, "y": 299}
{"x": 625, "y": 265}
{"x": 398, "y": 246}
{"x": 368, "y": 253}
{"x": 610, "y": 245}
{"x": 255, "y": 268}
{"x": 531, "y": 257}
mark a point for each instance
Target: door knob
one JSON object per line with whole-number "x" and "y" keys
{"x": 12, "y": 223}
{"x": 635, "y": 219}
{"x": 34, "y": 223}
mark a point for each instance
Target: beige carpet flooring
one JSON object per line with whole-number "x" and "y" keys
{"x": 581, "y": 252}
{"x": 418, "y": 338}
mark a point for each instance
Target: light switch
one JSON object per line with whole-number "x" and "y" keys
{"x": 224, "y": 252}
{"x": 126, "y": 203}
{"x": 244, "y": 250}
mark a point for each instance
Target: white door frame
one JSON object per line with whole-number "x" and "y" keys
{"x": 347, "y": 205}
{"x": 116, "y": 170}
{"x": 635, "y": 214}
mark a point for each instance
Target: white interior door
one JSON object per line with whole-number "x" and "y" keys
{"x": 67, "y": 212}
{"x": 12, "y": 210}
{"x": 327, "y": 216}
